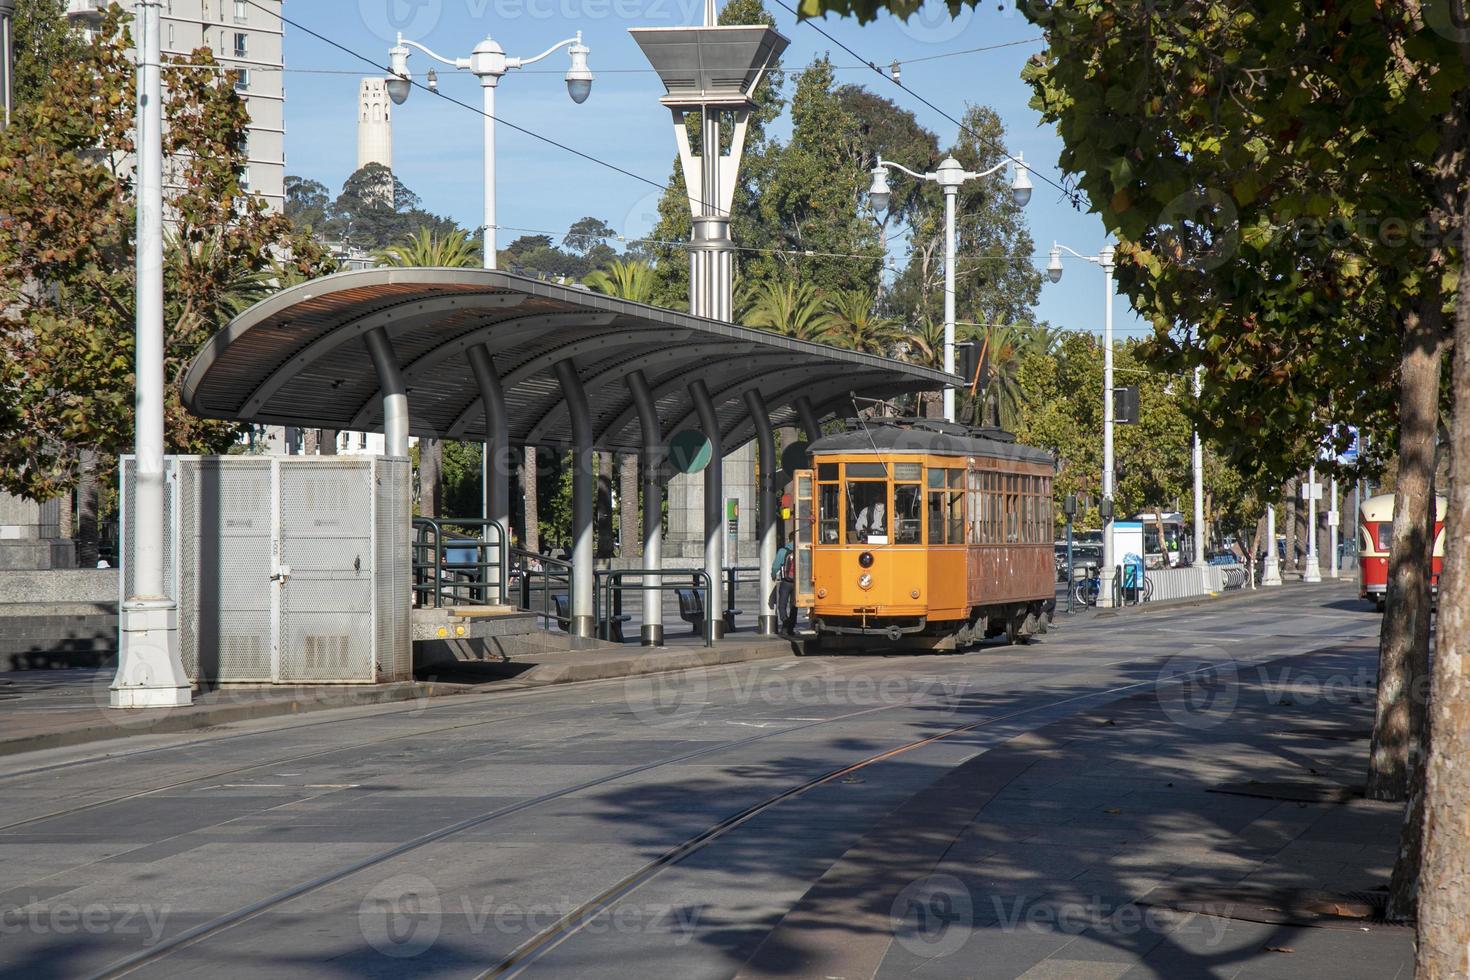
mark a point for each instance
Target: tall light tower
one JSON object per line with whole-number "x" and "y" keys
{"x": 710, "y": 71}
{"x": 7, "y": 60}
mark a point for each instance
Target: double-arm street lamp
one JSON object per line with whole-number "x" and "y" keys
{"x": 488, "y": 62}
{"x": 949, "y": 177}
{"x": 1104, "y": 260}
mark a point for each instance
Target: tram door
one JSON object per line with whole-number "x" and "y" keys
{"x": 803, "y": 531}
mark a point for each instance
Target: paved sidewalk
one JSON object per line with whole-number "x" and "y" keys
{"x": 1207, "y": 829}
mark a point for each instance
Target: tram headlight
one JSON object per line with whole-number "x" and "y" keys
{"x": 914, "y": 594}
{"x": 865, "y": 581}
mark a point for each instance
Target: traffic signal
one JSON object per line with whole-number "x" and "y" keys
{"x": 1125, "y": 405}
{"x": 970, "y": 365}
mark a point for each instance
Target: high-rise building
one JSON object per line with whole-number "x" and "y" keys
{"x": 244, "y": 38}
{"x": 374, "y": 124}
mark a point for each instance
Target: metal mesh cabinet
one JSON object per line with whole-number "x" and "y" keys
{"x": 286, "y": 569}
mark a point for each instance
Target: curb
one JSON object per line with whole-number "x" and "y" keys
{"x": 173, "y": 721}
{"x": 1165, "y": 604}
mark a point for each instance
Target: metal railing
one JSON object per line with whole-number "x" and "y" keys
{"x": 609, "y": 586}
{"x": 450, "y": 563}
{"x": 538, "y": 573}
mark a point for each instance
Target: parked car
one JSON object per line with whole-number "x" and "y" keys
{"x": 1085, "y": 558}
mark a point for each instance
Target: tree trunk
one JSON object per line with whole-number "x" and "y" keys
{"x": 328, "y": 442}
{"x": 1163, "y": 542}
{"x": 603, "y": 516}
{"x": 1293, "y": 489}
{"x": 1444, "y": 879}
{"x": 86, "y": 492}
{"x": 629, "y": 506}
{"x": 431, "y": 468}
{"x": 531, "y": 533}
{"x": 1403, "y": 648}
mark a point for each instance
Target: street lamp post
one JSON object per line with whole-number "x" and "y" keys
{"x": 488, "y": 63}
{"x": 1103, "y": 260}
{"x": 7, "y": 59}
{"x": 1271, "y": 567}
{"x": 1313, "y": 492}
{"x": 1199, "y": 496}
{"x": 150, "y": 673}
{"x": 950, "y": 176}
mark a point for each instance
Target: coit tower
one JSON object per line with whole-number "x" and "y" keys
{"x": 374, "y": 124}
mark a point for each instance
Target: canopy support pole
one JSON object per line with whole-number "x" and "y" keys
{"x": 714, "y": 523}
{"x": 496, "y": 465}
{"x": 766, "y": 516}
{"x": 583, "y": 619}
{"x": 395, "y": 395}
{"x": 652, "y": 631}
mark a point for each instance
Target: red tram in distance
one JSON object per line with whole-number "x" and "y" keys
{"x": 1375, "y": 531}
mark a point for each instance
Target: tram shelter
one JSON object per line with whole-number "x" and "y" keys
{"x": 484, "y": 355}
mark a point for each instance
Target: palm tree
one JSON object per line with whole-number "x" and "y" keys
{"x": 1006, "y": 348}
{"x": 428, "y": 250}
{"x": 854, "y": 323}
{"x": 794, "y": 309}
{"x": 625, "y": 279}
{"x": 924, "y": 345}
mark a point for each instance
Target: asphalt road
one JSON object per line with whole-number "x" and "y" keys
{"x": 659, "y": 826}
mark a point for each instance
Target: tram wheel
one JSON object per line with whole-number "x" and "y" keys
{"x": 1015, "y": 626}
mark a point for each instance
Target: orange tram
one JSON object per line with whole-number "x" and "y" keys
{"x": 924, "y": 534}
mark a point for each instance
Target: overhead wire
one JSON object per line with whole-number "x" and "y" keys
{"x": 1071, "y": 194}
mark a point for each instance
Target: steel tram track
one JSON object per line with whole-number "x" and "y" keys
{"x": 570, "y": 924}
{"x": 288, "y": 760}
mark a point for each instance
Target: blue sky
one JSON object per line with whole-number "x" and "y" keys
{"x": 437, "y": 145}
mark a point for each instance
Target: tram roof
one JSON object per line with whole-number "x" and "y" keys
{"x": 297, "y": 358}
{"x": 880, "y": 436}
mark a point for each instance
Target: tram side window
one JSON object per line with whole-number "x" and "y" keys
{"x": 936, "y": 517}
{"x": 828, "y": 518}
{"x": 972, "y": 506}
{"x": 1013, "y": 531}
{"x": 956, "y": 507}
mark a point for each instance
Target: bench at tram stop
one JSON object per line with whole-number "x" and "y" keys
{"x": 691, "y": 608}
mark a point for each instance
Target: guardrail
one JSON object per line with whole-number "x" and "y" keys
{"x": 609, "y": 586}
{"x": 470, "y": 569}
{"x": 537, "y": 573}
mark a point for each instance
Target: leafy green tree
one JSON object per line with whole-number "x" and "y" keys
{"x": 67, "y": 259}
{"x": 1285, "y": 182}
{"x": 376, "y": 209}
{"x": 307, "y": 204}
{"x": 809, "y": 206}
{"x": 42, "y": 37}
{"x": 995, "y": 276}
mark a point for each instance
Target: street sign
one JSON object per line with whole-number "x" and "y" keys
{"x": 1125, "y": 405}
{"x": 1311, "y": 491}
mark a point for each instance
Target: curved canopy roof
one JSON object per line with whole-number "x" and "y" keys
{"x": 298, "y": 358}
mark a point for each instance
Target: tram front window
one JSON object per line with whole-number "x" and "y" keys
{"x": 908, "y": 518}
{"x": 867, "y": 513}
